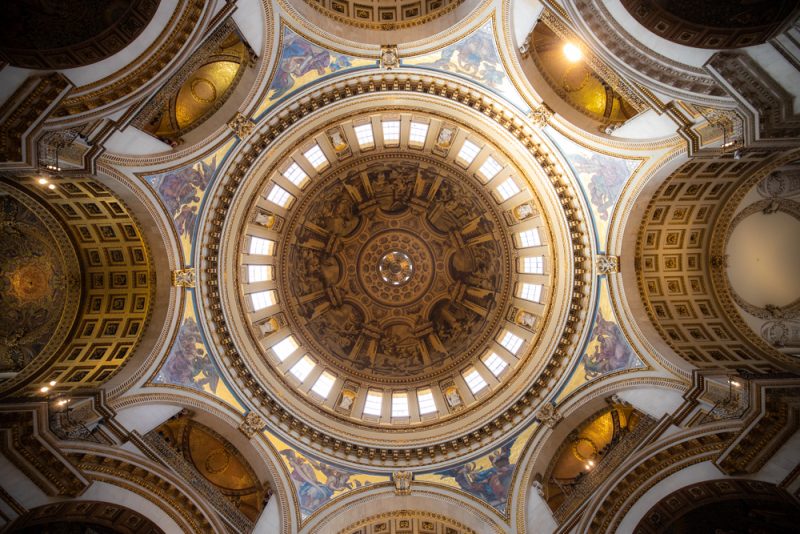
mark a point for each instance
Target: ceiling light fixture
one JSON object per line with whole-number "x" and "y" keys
{"x": 573, "y": 52}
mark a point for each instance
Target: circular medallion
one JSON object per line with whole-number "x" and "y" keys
{"x": 203, "y": 90}
{"x": 396, "y": 268}
{"x": 391, "y": 276}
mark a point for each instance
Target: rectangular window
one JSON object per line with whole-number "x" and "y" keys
{"x": 468, "y": 152}
{"x": 262, "y": 299}
{"x": 533, "y": 265}
{"x": 261, "y": 247}
{"x": 511, "y": 342}
{"x": 427, "y": 404}
{"x": 280, "y": 196}
{"x": 418, "y": 134}
{"x": 507, "y": 189}
{"x": 296, "y": 175}
{"x": 373, "y": 405}
{"x": 323, "y": 385}
{"x": 259, "y": 273}
{"x": 284, "y": 348}
{"x": 495, "y": 363}
{"x": 489, "y": 169}
{"x": 529, "y": 238}
{"x": 302, "y": 368}
{"x": 316, "y": 157}
{"x": 400, "y": 405}
{"x": 364, "y": 135}
{"x": 391, "y": 133}
{"x": 532, "y": 292}
{"x": 474, "y": 380}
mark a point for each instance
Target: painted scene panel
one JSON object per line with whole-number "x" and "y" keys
{"x": 182, "y": 190}
{"x": 607, "y": 351}
{"x": 489, "y": 477}
{"x": 302, "y": 62}
{"x": 317, "y": 483}
{"x": 474, "y": 57}
{"x": 189, "y": 362}
{"x": 602, "y": 178}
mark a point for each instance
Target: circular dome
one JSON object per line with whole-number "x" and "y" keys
{"x": 394, "y": 280}
{"x": 394, "y": 269}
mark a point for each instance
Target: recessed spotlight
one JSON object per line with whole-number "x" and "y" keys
{"x": 44, "y": 389}
{"x": 572, "y": 52}
{"x": 51, "y": 186}
{"x": 52, "y": 383}
{"x": 43, "y": 181}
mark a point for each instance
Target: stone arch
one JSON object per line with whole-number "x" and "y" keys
{"x": 448, "y": 506}
{"x": 372, "y": 22}
{"x": 71, "y": 34}
{"x": 147, "y": 411}
{"x": 679, "y": 264}
{"x": 113, "y": 309}
{"x": 109, "y": 515}
{"x": 723, "y": 504}
{"x": 652, "y": 397}
{"x": 717, "y": 25}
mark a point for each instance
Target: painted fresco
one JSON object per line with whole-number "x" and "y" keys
{"x": 607, "y": 350}
{"x": 489, "y": 477}
{"x": 318, "y": 483}
{"x": 182, "y": 190}
{"x": 302, "y": 62}
{"x": 190, "y": 364}
{"x": 474, "y": 57}
{"x": 601, "y": 177}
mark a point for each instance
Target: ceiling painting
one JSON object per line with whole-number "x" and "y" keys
{"x": 317, "y": 483}
{"x": 489, "y": 477}
{"x": 182, "y": 192}
{"x": 474, "y": 57}
{"x": 607, "y": 350}
{"x": 602, "y": 179}
{"x": 190, "y": 364}
{"x": 301, "y": 63}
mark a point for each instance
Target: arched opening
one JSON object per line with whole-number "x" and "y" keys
{"x": 727, "y": 505}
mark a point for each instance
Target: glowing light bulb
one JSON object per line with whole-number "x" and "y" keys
{"x": 43, "y": 181}
{"x": 572, "y": 52}
{"x": 52, "y": 383}
{"x": 52, "y": 186}
{"x": 44, "y": 389}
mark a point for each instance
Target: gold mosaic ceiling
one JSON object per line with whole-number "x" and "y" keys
{"x": 575, "y": 81}
{"x": 204, "y": 90}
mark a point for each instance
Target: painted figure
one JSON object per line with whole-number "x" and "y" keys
{"x": 300, "y": 57}
{"x": 611, "y": 353}
{"x": 490, "y": 484}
